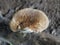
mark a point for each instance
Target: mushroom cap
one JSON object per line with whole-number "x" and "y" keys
{"x": 34, "y": 19}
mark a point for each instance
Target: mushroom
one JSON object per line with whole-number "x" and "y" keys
{"x": 29, "y": 20}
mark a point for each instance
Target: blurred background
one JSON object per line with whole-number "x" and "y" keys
{"x": 9, "y": 7}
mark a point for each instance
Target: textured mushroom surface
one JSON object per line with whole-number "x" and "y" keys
{"x": 29, "y": 19}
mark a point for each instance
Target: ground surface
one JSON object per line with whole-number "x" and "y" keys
{"x": 50, "y": 7}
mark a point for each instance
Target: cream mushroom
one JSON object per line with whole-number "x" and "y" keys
{"x": 30, "y": 20}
